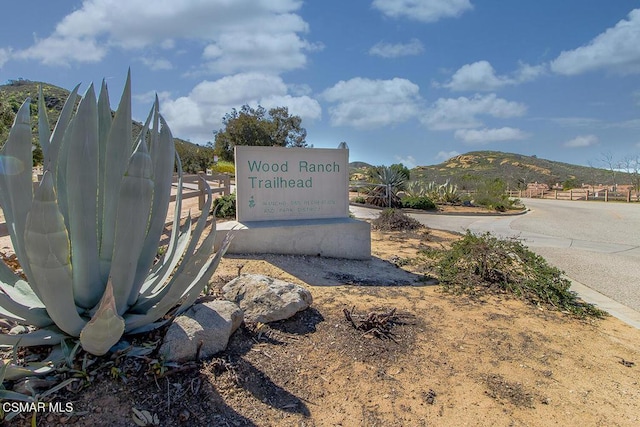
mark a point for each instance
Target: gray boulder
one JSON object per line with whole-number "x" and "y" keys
{"x": 265, "y": 299}
{"x": 210, "y": 323}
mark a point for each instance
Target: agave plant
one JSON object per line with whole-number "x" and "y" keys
{"x": 87, "y": 235}
{"x": 449, "y": 193}
{"x": 386, "y": 184}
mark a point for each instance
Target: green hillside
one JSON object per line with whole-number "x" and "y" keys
{"x": 516, "y": 170}
{"x": 194, "y": 157}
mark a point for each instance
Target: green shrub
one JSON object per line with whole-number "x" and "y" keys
{"x": 479, "y": 264}
{"x": 492, "y": 194}
{"x": 360, "y": 199}
{"x": 225, "y": 206}
{"x": 423, "y": 203}
{"x": 224, "y": 167}
{"x": 395, "y": 220}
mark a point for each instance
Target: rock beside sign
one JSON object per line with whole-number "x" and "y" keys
{"x": 265, "y": 299}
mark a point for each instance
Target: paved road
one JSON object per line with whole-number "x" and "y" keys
{"x": 596, "y": 244}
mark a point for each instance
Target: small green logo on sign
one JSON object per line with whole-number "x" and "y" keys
{"x": 252, "y": 203}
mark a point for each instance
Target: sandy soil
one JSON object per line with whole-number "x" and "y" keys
{"x": 448, "y": 360}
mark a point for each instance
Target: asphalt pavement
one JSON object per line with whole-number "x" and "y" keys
{"x": 596, "y": 244}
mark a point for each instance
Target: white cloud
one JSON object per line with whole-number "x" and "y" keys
{"x": 387, "y": 50}
{"x": 616, "y": 50}
{"x": 157, "y": 63}
{"x": 423, "y": 10}
{"x": 57, "y": 50}
{"x": 233, "y": 52}
{"x": 273, "y": 42}
{"x": 5, "y": 55}
{"x": 198, "y": 114}
{"x": 582, "y": 141}
{"x": 446, "y": 155}
{"x": 365, "y": 104}
{"x": 481, "y": 76}
{"x": 408, "y": 161}
{"x": 484, "y": 136}
{"x": 527, "y": 73}
{"x": 462, "y": 112}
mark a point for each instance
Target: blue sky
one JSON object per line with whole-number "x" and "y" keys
{"x": 411, "y": 81}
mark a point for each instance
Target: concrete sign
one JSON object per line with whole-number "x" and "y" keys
{"x": 276, "y": 183}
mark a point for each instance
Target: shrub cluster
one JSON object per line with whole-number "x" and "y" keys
{"x": 492, "y": 194}
{"x": 479, "y": 264}
{"x": 421, "y": 202}
{"x": 225, "y": 206}
{"x": 224, "y": 167}
{"x": 395, "y": 220}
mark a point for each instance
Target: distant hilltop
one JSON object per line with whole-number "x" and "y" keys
{"x": 12, "y": 95}
{"x": 516, "y": 170}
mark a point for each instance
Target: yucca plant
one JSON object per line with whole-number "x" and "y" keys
{"x": 386, "y": 184}
{"x": 87, "y": 236}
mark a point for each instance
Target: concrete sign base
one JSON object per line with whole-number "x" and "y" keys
{"x": 333, "y": 237}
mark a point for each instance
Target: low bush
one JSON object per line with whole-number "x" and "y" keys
{"x": 360, "y": 199}
{"x": 225, "y": 206}
{"x": 422, "y": 202}
{"x": 479, "y": 264}
{"x": 224, "y": 167}
{"x": 395, "y": 220}
{"x": 492, "y": 194}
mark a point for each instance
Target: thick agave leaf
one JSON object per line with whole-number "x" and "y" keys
{"x": 105, "y": 328}
{"x": 16, "y": 288}
{"x": 177, "y": 243}
{"x": 118, "y": 151}
{"x": 15, "y": 372}
{"x": 134, "y": 207}
{"x": 45, "y": 336}
{"x": 162, "y": 155}
{"x": 23, "y": 314}
{"x": 192, "y": 293}
{"x": 51, "y": 159}
{"x": 48, "y": 254}
{"x": 104, "y": 126}
{"x": 184, "y": 288}
{"x": 16, "y": 190}
{"x": 19, "y": 302}
{"x": 192, "y": 269}
{"x": 156, "y": 285}
{"x": 44, "y": 132}
{"x": 82, "y": 181}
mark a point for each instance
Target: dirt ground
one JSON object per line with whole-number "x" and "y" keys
{"x": 448, "y": 360}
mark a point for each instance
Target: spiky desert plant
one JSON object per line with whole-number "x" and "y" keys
{"x": 386, "y": 184}
{"x": 87, "y": 236}
{"x": 449, "y": 193}
{"x": 415, "y": 189}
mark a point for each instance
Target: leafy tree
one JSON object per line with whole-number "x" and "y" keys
{"x": 195, "y": 158}
{"x": 402, "y": 170}
{"x": 258, "y": 127}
